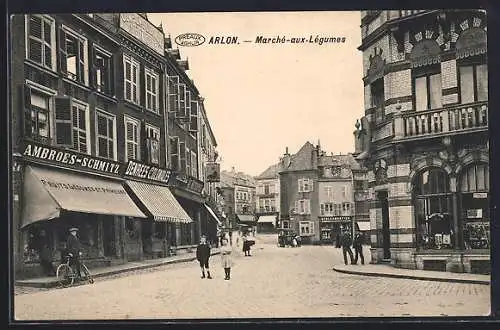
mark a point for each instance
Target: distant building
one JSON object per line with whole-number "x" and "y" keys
{"x": 317, "y": 193}
{"x": 268, "y": 199}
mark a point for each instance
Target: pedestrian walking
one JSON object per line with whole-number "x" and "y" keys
{"x": 45, "y": 254}
{"x": 358, "y": 248}
{"x": 231, "y": 237}
{"x": 227, "y": 262}
{"x": 246, "y": 248}
{"x": 203, "y": 256}
{"x": 346, "y": 246}
{"x": 73, "y": 249}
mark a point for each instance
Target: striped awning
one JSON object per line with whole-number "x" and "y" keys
{"x": 214, "y": 216}
{"x": 159, "y": 202}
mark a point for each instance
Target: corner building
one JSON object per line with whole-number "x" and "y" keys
{"x": 424, "y": 138}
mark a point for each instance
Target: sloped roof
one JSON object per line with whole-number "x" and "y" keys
{"x": 340, "y": 160}
{"x": 229, "y": 178}
{"x": 303, "y": 159}
{"x": 270, "y": 173}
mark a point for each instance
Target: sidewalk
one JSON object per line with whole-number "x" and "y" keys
{"x": 424, "y": 275}
{"x": 48, "y": 282}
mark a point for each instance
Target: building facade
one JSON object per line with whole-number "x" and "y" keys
{"x": 91, "y": 140}
{"x": 267, "y": 199}
{"x": 317, "y": 193}
{"x": 424, "y": 138}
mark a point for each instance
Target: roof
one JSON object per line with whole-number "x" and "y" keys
{"x": 303, "y": 159}
{"x": 347, "y": 160}
{"x": 270, "y": 173}
{"x": 233, "y": 178}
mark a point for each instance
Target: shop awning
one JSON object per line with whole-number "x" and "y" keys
{"x": 364, "y": 225}
{"x": 214, "y": 216}
{"x": 160, "y": 202}
{"x": 267, "y": 219}
{"x": 245, "y": 218}
{"x": 47, "y": 192}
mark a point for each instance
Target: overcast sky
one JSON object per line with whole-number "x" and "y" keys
{"x": 261, "y": 98}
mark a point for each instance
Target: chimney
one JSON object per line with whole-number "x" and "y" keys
{"x": 233, "y": 169}
{"x": 286, "y": 151}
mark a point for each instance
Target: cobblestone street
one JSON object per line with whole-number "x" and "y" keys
{"x": 274, "y": 282}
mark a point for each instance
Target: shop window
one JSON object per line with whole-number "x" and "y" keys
{"x": 427, "y": 88}
{"x": 37, "y": 108}
{"x": 306, "y": 228}
{"x": 106, "y": 135}
{"x": 185, "y": 234}
{"x": 102, "y": 75}
{"x": 132, "y": 138}
{"x": 131, "y": 77}
{"x": 475, "y": 215}
{"x": 73, "y": 55}
{"x": 41, "y": 40}
{"x": 37, "y": 235}
{"x": 152, "y": 91}
{"x": 473, "y": 80}
{"x": 433, "y": 210}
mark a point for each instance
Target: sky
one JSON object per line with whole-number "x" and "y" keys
{"x": 262, "y": 98}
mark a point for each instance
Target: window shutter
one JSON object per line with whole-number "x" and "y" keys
{"x": 300, "y": 185}
{"x": 173, "y": 94}
{"x": 311, "y": 185}
{"x": 62, "y": 52}
{"x": 63, "y": 119}
{"x": 110, "y": 74}
{"x": 81, "y": 61}
{"x": 93, "y": 65}
{"x": 182, "y": 156}
{"x": 182, "y": 101}
{"x": 193, "y": 124}
{"x": 297, "y": 207}
{"x": 28, "y": 130}
{"x": 188, "y": 103}
{"x": 131, "y": 130}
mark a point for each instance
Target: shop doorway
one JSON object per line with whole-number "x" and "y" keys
{"x": 109, "y": 236}
{"x": 386, "y": 231}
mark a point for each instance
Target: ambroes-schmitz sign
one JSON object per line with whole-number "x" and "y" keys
{"x": 71, "y": 159}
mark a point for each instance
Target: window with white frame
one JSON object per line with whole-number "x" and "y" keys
{"x": 329, "y": 192}
{"x": 153, "y": 144}
{"x": 72, "y": 124}
{"x": 102, "y": 73}
{"x": 326, "y": 208}
{"x": 305, "y": 185}
{"x": 306, "y": 228}
{"x": 132, "y": 138}
{"x": 131, "y": 76}
{"x": 106, "y": 135}
{"x": 303, "y": 206}
{"x": 40, "y": 40}
{"x": 346, "y": 208}
{"x": 73, "y": 55}
{"x": 152, "y": 91}
{"x": 37, "y": 106}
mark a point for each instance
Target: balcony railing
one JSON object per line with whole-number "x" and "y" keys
{"x": 463, "y": 118}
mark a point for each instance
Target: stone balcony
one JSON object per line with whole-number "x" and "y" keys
{"x": 461, "y": 119}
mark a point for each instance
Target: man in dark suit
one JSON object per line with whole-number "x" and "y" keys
{"x": 358, "y": 248}
{"x": 346, "y": 246}
{"x": 74, "y": 250}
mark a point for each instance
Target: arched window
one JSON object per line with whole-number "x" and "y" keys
{"x": 474, "y": 203}
{"x": 433, "y": 209}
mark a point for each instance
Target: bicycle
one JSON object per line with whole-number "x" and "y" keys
{"x": 66, "y": 275}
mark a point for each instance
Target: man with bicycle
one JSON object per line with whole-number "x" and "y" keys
{"x": 73, "y": 250}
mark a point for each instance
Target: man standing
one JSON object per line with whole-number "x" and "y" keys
{"x": 202, "y": 255}
{"x": 45, "y": 254}
{"x": 73, "y": 250}
{"x": 358, "y": 248}
{"x": 346, "y": 246}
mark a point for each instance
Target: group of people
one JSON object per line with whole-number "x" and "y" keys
{"x": 203, "y": 254}
{"x": 345, "y": 241}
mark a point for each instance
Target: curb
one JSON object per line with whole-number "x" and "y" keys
{"x": 54, "y": 283}
{"x": 413, "y": 277}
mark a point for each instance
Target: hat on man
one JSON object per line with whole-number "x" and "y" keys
{"x": 73, "y": 229}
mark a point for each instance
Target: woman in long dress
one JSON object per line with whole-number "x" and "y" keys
{"x": 227, "y": 262}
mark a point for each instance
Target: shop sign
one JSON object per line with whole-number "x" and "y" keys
{"x": 195, "y": 185}
{"x": 475, "y": 213}
{"x": 70, "y": 159}
{"x": 143, "y": 30}
{"x": 480, "y": 195}
{"x": 340, "y": 218}
{"x": 149, "y": 172}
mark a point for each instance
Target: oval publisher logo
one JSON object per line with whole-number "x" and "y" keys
{"x": 189, "y": 39}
